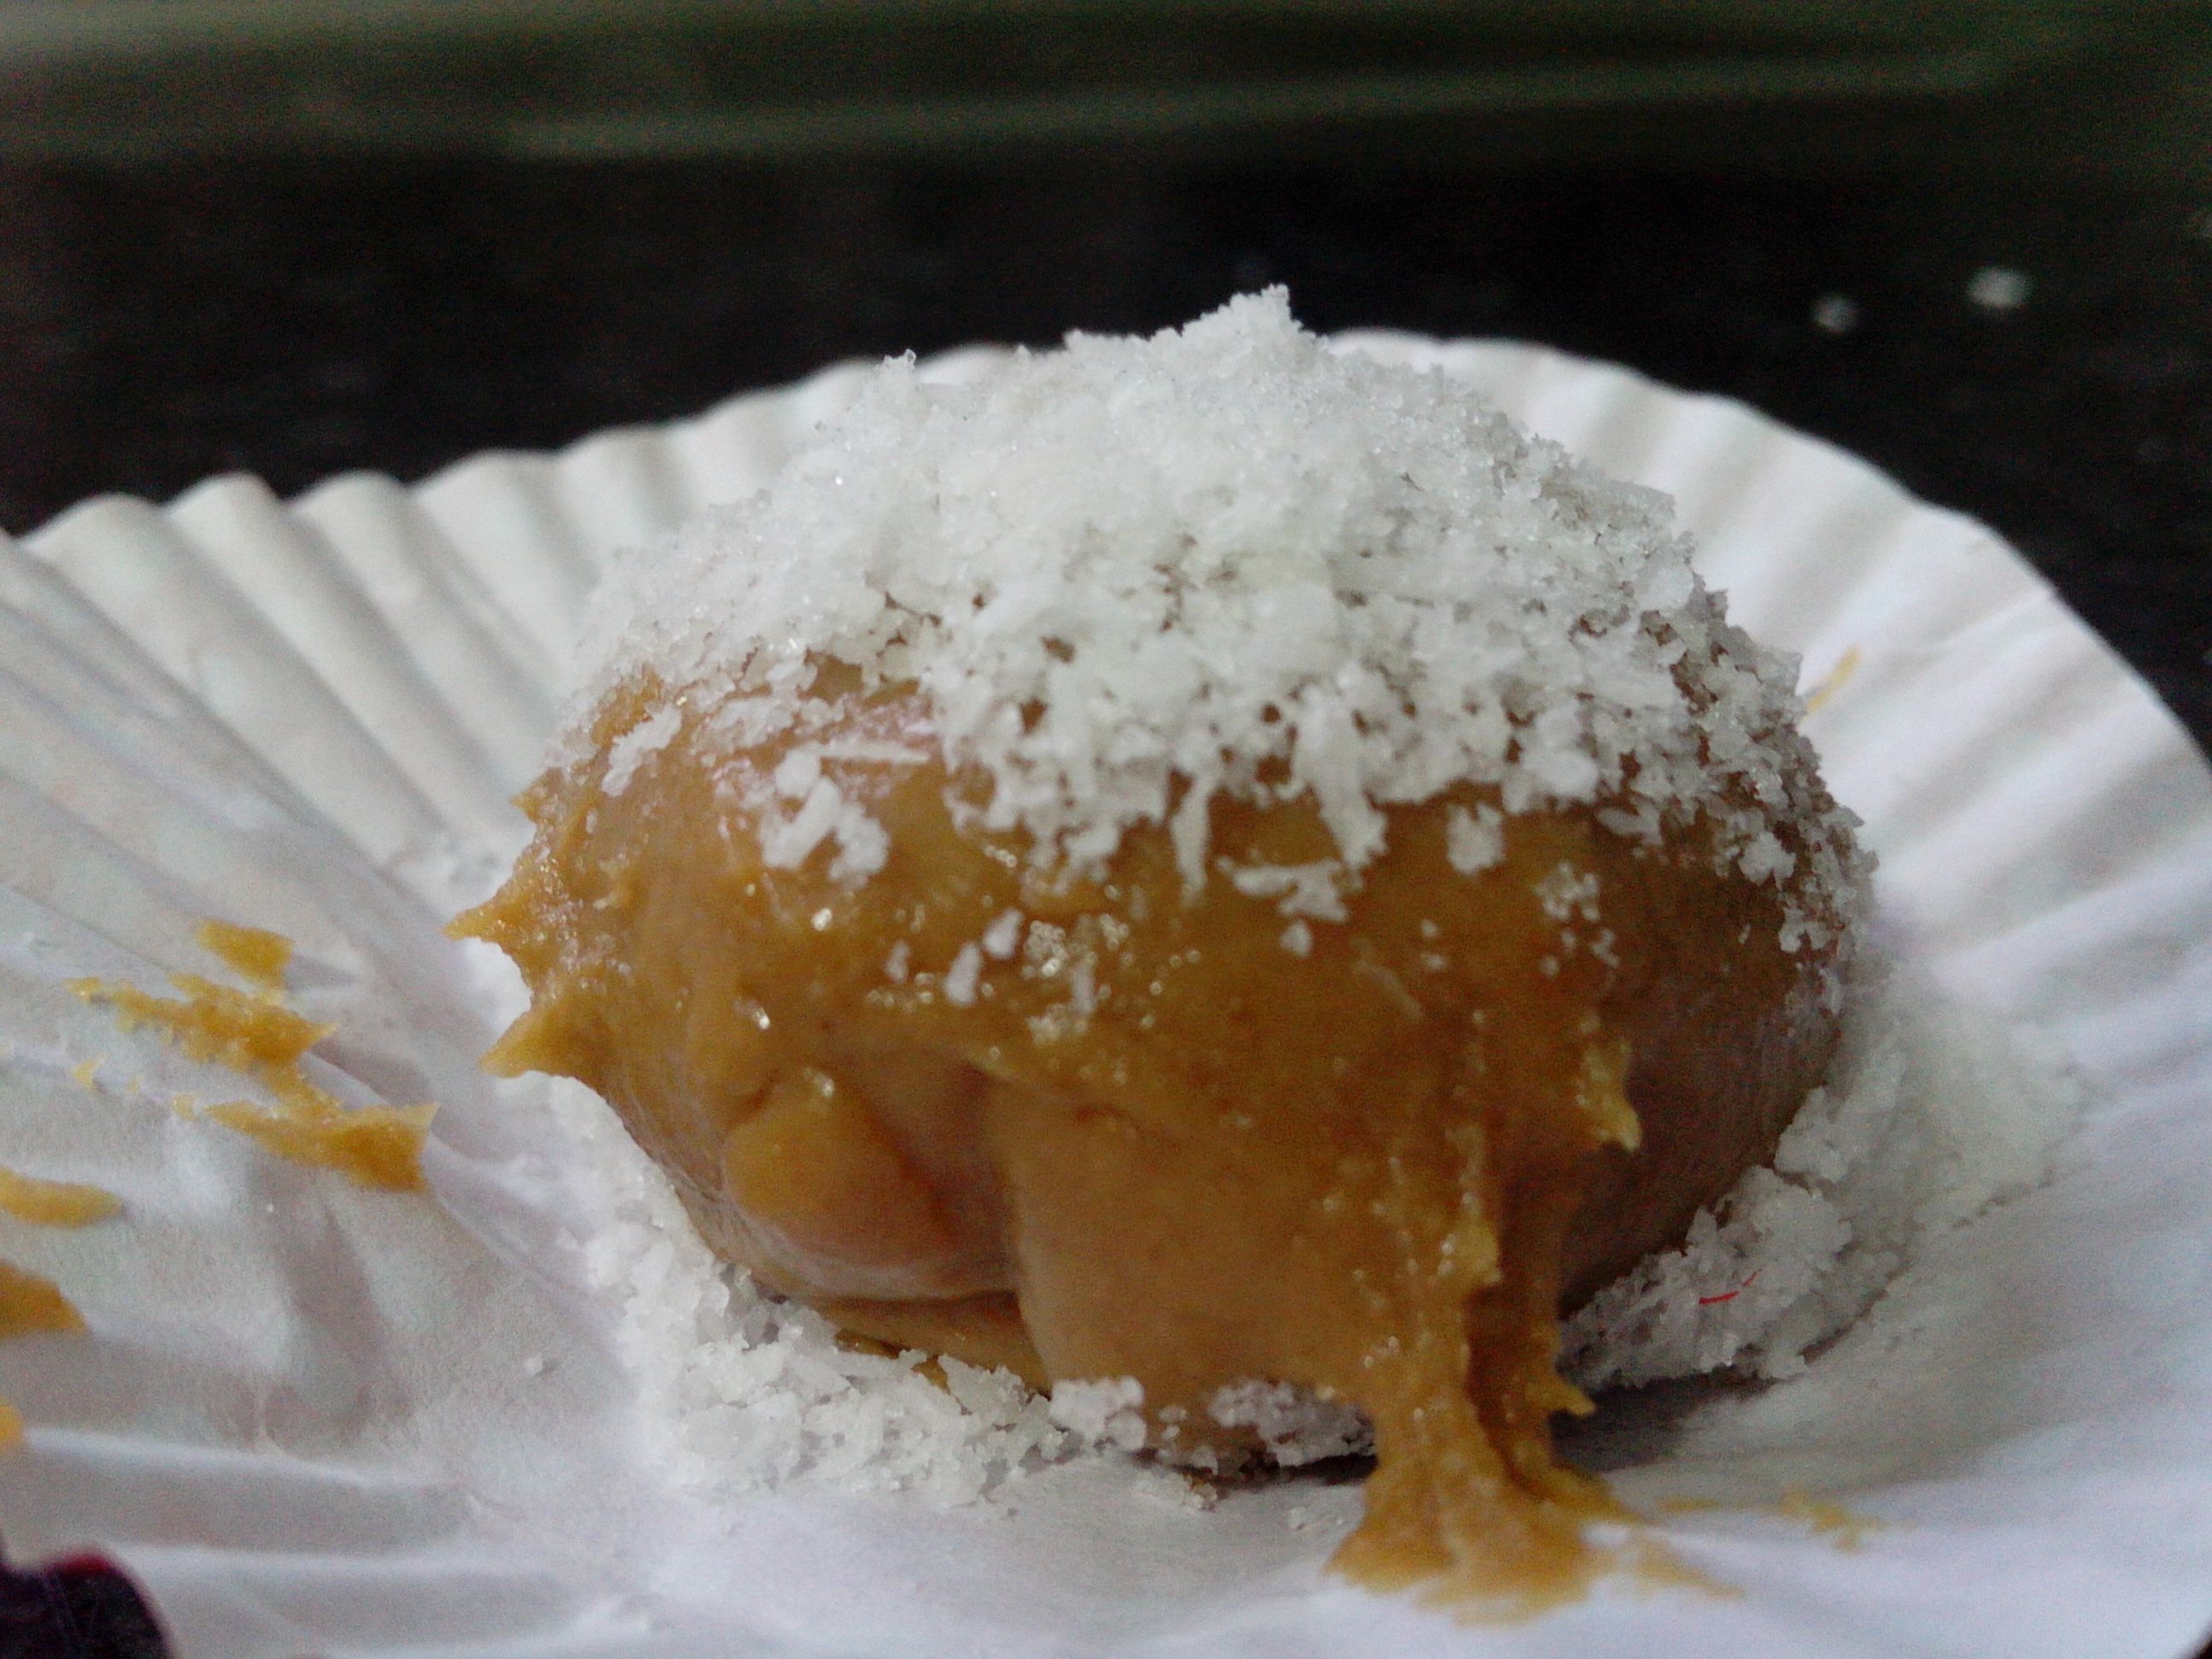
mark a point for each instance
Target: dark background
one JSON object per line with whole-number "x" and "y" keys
{"x": 297, "y": 317}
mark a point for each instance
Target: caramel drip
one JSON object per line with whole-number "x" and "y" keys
{"x": 1468, "y": 1503}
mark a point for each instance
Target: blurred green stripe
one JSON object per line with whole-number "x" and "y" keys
{"x": 1202, "y": 111}
{"x": 2098, "y": 85}
{"x": 59, "y": 30}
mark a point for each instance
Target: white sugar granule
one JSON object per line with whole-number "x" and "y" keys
{"x": 1930, "y": 1114}
{"x": 1134, "y": 576}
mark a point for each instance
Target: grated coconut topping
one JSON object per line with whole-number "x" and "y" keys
{"x": 1134, "y": 576}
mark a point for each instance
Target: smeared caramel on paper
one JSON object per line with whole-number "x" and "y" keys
{"x": 30, "y": 1306}
{"x": 1835, "y": 679}
{"x": 54, "y": 1203}
{"x": 1823, "y": 1516}
{"x": 254, "y": 954}
{"x": 1827, "y": 1518}
{"x": 249, "y": 1032}
{"x": 1652, "y": 1566}
{"x": 258, "y": 1034}
{"x": 377, "y": 1147}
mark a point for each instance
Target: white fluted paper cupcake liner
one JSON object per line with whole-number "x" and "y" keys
{"x": 318, "y": 1419}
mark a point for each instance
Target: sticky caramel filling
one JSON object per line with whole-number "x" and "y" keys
{"x": 1144, "y": 1135}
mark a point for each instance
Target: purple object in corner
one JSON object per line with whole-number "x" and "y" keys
{"x": 78, "y": 1607}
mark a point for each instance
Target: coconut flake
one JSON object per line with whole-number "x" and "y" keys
{"x": 1295, "y": 1425}
{"x": 1003, "y": 937}
{"x": 961, "y": 978}
{"x": 629, "y": 751}
{"x": 1473, "y": 841}
{"x": 1565, "y": 893}
{"x": 1298, "y": 890}
{"x": 1107, "y": 1412}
